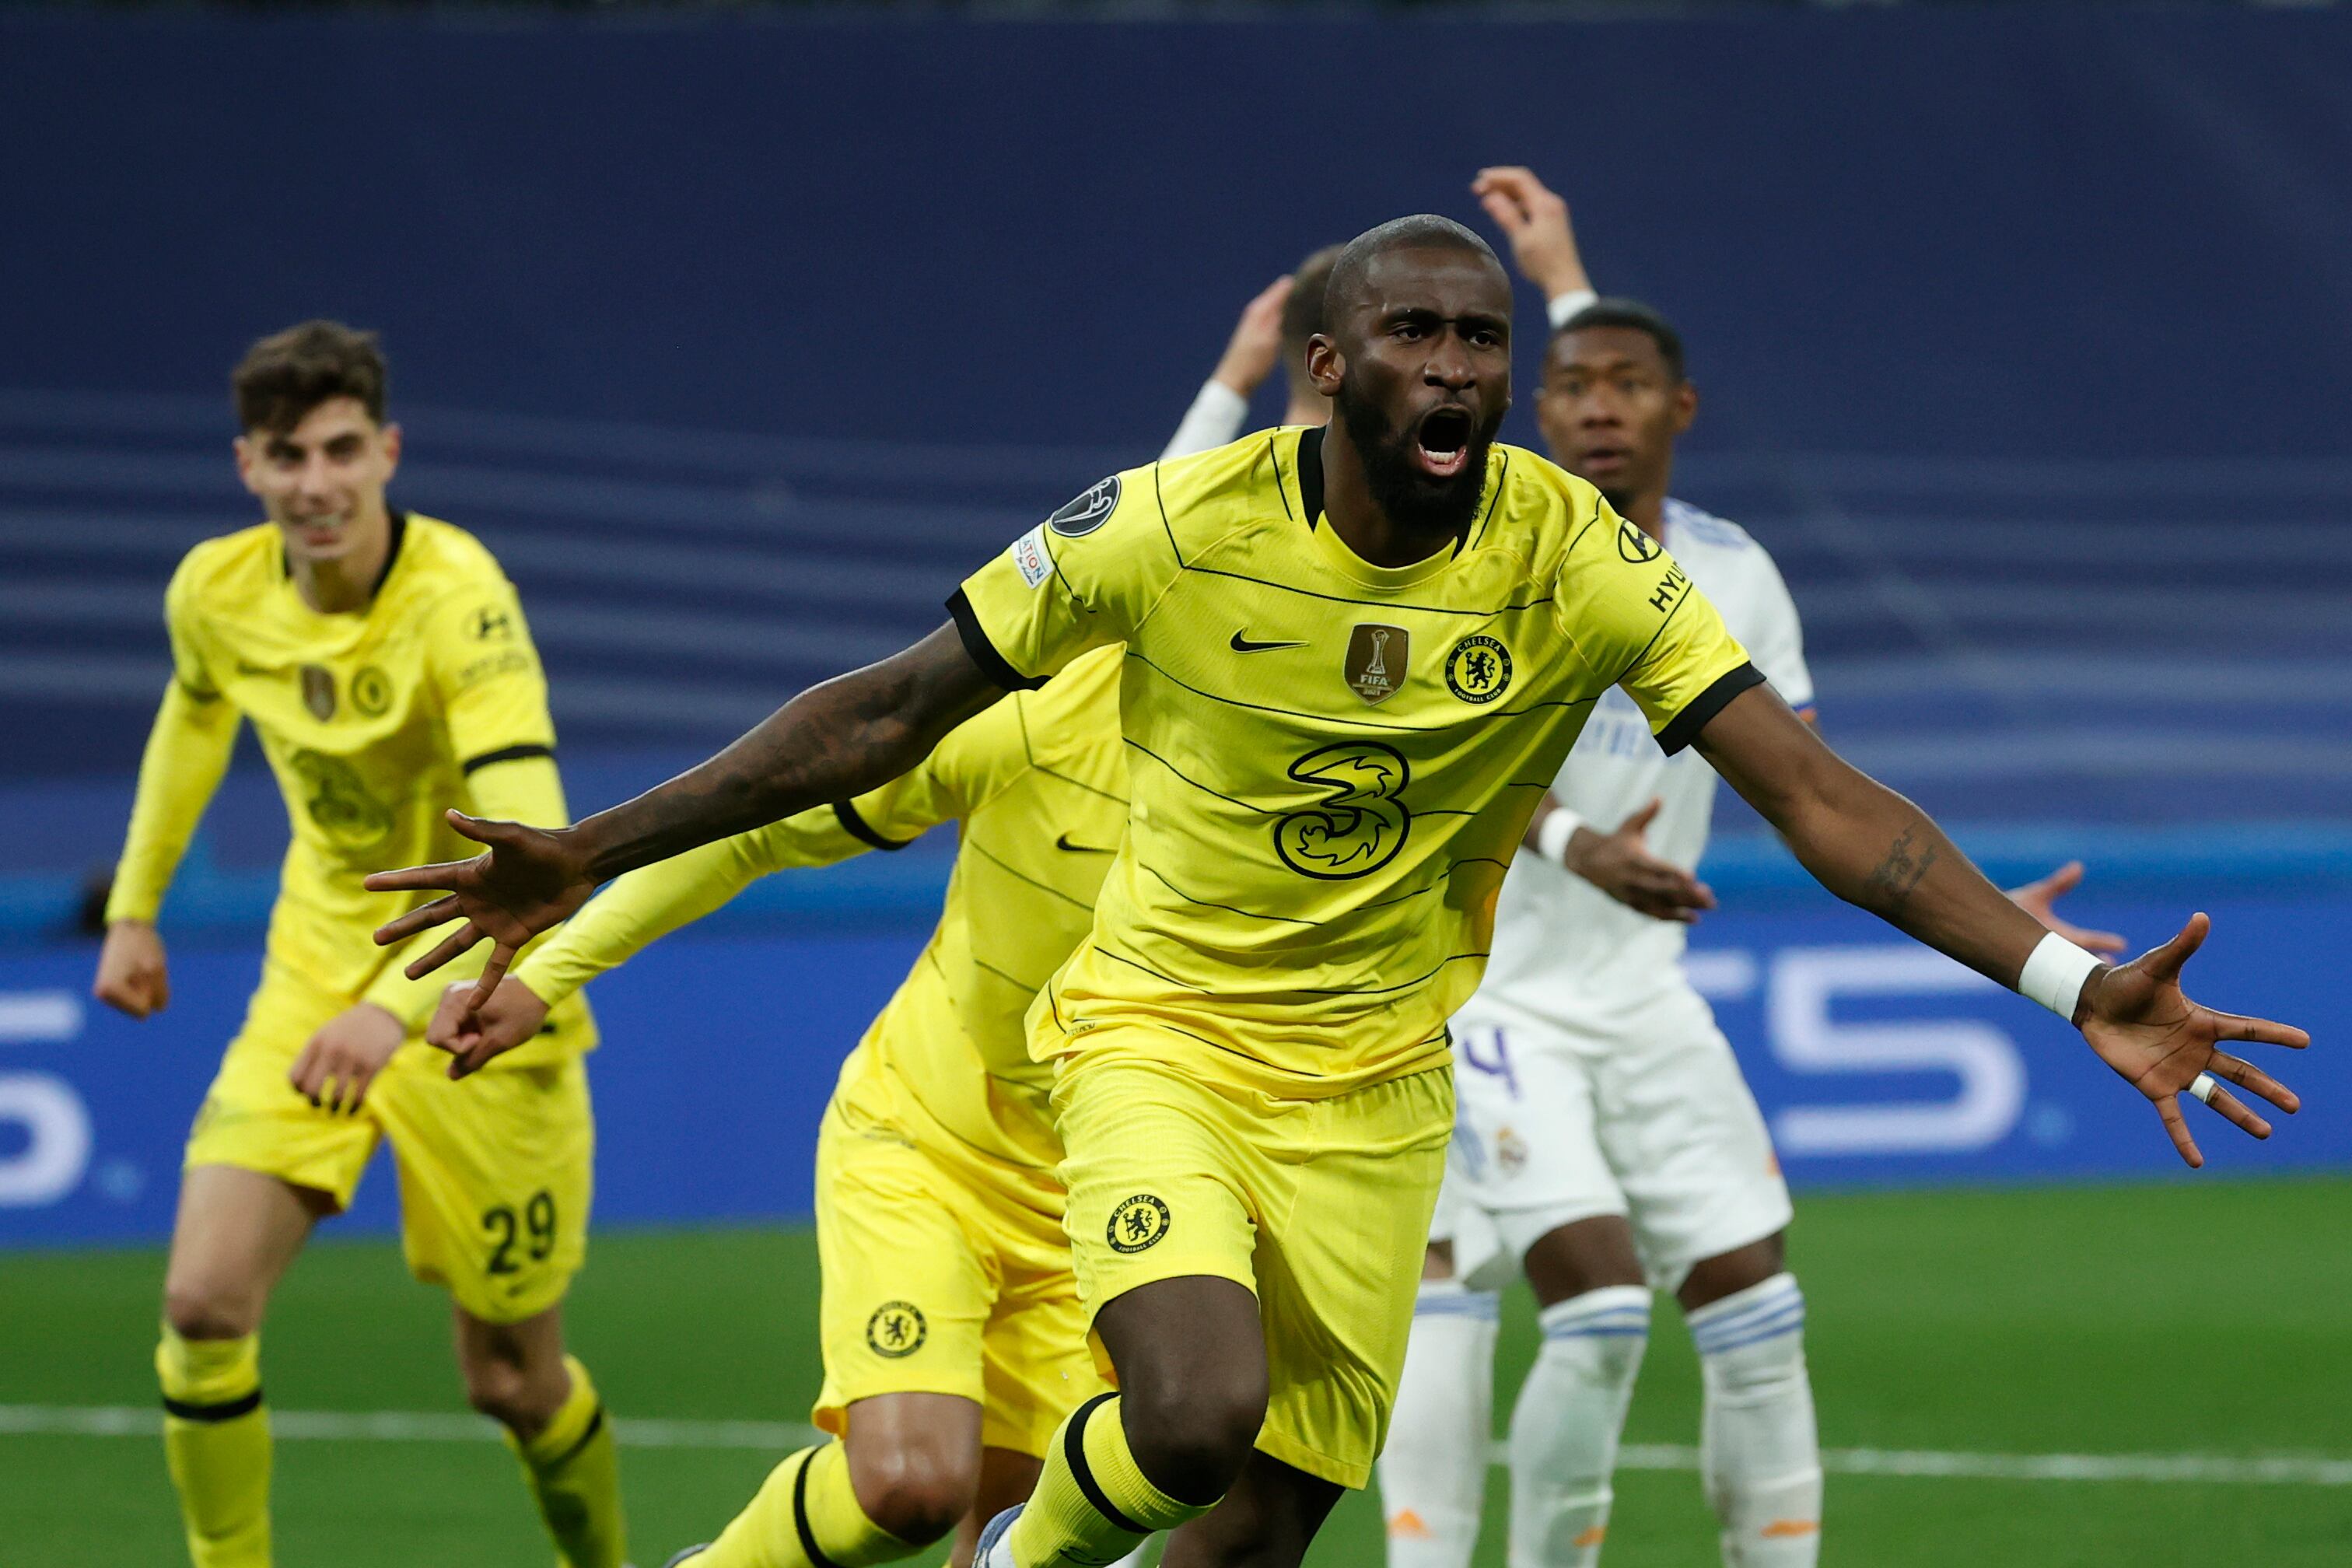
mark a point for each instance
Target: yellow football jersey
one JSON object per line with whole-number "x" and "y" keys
{"x": 1039, "y": 784}
{"x": 1331, "y": 760}
{"x": 374, "y": 722}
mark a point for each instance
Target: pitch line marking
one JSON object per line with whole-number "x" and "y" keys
{"x": 783, "y": 1437}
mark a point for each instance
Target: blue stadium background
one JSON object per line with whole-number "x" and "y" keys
{"x": 2020, "y": 335}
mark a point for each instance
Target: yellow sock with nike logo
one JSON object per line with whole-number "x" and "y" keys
{"x": 807, "y": 1515}
{"x": 216, "y": 1446}
{"x": 574, "y": 1469}
{"x": 1093, "y": 1504}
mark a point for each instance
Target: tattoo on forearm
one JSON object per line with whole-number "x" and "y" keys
{"x": 1889, "y": 887}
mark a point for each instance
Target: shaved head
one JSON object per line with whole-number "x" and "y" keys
{"x": 1422, "y": 231}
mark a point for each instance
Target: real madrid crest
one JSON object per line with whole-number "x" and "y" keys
{"x": 1377, "y": 656}
{"x": 319, "y": 691}
{"x": 1478, "y": 669}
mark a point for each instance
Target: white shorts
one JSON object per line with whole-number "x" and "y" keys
{"x": 1556, "y": 1123}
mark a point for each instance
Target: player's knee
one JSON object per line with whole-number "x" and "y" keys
{"x": 914, "y": 1492}
{"x": 1191, "y": 1435}
{"x": 505, "y": 1391}
{"x": 196, "y": 1310}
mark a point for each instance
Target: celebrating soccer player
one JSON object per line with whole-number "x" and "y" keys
{"x": 1355, "y": 659}
{"x": 953, "y": 1340}
{"x": 1607, "y": 1142}
{"x": 382, "y": 660}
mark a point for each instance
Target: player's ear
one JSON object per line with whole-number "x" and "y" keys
{"x": 1686, "y": 406}
{"x": 246, "y": 456}
{"x": 390, "y": 442}
{"x": 1326, "y": 365}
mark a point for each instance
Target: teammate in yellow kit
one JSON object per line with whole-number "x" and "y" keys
{"x": 952, "y": 1337}
{"x": 1354, "y": 661}
{"x": 384, "y": 665}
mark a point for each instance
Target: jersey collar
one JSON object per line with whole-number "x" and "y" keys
{"x": 391, "y": 554}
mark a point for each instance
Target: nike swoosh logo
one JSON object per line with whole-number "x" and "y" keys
{"x": 1063, "y": 843}
{"x": 1243, "y": 645}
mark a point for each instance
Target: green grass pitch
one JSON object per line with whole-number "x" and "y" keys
{"x": 2196, "y": 1317}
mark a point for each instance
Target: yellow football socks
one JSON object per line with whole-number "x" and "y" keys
{"x": 806, "y": 1516}
{"x": 216, "y": 1444}
{"x": 574, "y": 1471}
{"x": 1092, "y": 1503}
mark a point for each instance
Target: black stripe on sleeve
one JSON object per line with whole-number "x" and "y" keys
{"x": 1073, "y": 1449}
{"x": 814, "y": 1552}
{"x": 504, "y": 754}
{"x": 983, "y": 651}
{"x": 595, "y": 1424}
{"x": 1684, "y": 728}
{"x": 227, "y": 1410}
{"x": 858, "y": 827}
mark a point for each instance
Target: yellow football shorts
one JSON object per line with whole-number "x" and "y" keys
{"x": 1319, "y": 1207}
{"x": 495, "y": 1172}
{"x": 944, "y": 1272}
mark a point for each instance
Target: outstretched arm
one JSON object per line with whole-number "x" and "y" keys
{"x": 832, "y": 741}
{"x": 1875, "y": 849}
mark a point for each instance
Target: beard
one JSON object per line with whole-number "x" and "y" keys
{"x": 1408, "y": 494}
{"x": 1618, "y": 500}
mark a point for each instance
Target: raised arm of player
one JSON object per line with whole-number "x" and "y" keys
{"x": 1218, "y": 412}
{"x": 1880, "y": 852}
{"x": 1534, "y": 218}
{"x": 832, "y": 741}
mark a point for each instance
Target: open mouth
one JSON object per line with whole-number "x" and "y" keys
{"x": 1443, "y": 442}
{"x": 1603, "y": 459}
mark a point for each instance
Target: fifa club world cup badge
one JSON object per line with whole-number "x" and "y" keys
{"x": 1378, "y": 657}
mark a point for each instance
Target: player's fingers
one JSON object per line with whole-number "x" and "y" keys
{"x": 2065, "y": 879}
{"x": 2261, "y": 1031}
{"x": 2165, "y": 962}
{"x": 2105, "y": 942}
{"x": 501, "y": 954}
{"x": 1642, "y": 818}
{"x": 2254, "y": 1080}
{"x": 457, "y": 942}
{"x": 2235, "y": 1112}
{"x": 425, "y": 917}
{"x": 2168, "y": 1108}
{"x": 410, "y": 879}
{"x": 1509, "y": 216}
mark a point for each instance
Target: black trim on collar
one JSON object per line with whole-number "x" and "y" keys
{"x": 504, "y": 754}
{"x": 858, "y": 827}
{"x": 1310, "y": 474}
{"x": 391, "y": 554}
{"x": 1684, "y": 728}
{"x": 992, "y": 663}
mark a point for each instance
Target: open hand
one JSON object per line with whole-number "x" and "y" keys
{"x": 130, "y": 974}
{"x": 2039, "y": 898}
{"x": 1619, "y": 864}
{"x": 530, "y": 880}
{"x": 2142, "y": 1024}
{"x": 1257, "y": 342}
{"x": 343, "y": 1057}
{"x": 475, "y": 1033}
{"x": 1535, "y": 220}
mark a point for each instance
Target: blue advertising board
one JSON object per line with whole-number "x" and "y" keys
{"x": 1877, "y": 1063}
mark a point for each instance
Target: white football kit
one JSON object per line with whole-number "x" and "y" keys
{"x": 1590, "y": 1076}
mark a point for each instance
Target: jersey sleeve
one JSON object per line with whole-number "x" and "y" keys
{"x": 486, "y": 670}
{"x": 187, "y": 752}
{"x": 1640, "y": 624}
{"x": 1085, "y": 577}
{"x": 1777, "y": 641}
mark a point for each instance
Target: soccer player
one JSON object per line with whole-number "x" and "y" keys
{"x": 1272, "y": 330}
{"x": 952, "y": 1336}
{"x": 1606, "y": 1141}
{"x": 382, "y": 660}
{"x": 1355, "y": 658}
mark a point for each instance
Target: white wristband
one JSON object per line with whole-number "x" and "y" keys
{"x": 1561, "y": 308}
{"x": 2054, "y": 973}
{"x": 1554, "y": 832}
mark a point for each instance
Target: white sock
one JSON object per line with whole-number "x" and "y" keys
{"x": 1565, "y": 1428}
{"x": 1433, "y": 1470}
{"x": 1758, "y": 1448}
